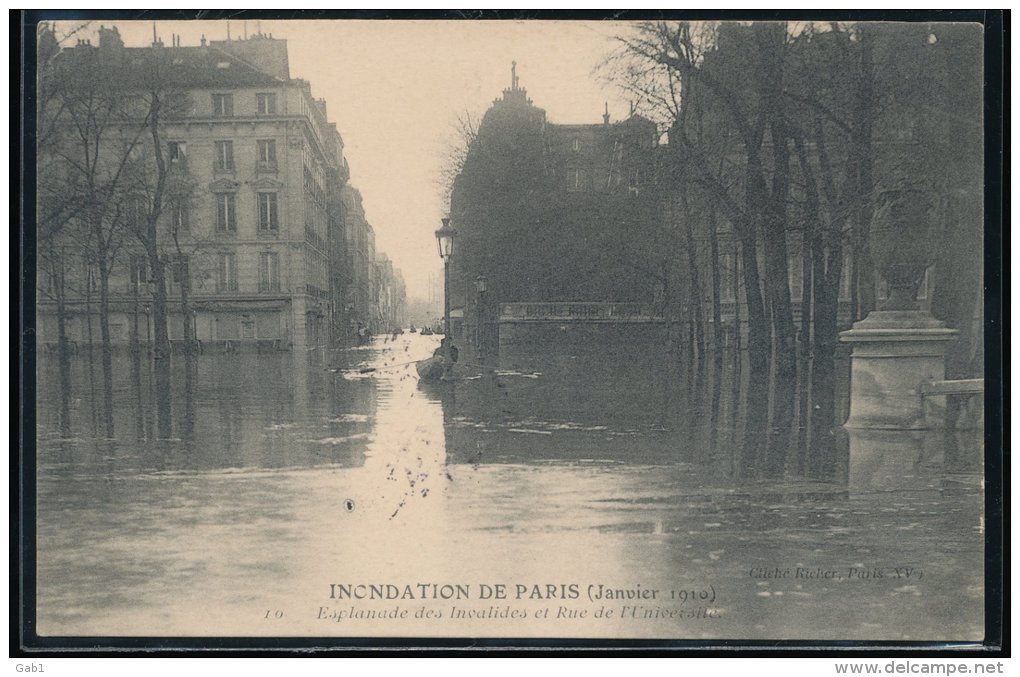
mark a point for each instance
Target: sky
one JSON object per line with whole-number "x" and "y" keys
{"x": 396, "y": 89}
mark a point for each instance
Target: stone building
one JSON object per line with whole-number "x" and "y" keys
{"x": 359, "y": 263}
{"x": 555, "y": 212}
{"x": 260, "y": 205}
{"x": 391, "y": 295}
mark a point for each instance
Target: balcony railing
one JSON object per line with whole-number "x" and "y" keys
{"x": 577, "y": 312}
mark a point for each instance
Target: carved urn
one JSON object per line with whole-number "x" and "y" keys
{"x": 903, "y": 244}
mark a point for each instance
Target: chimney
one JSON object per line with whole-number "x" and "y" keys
{"x": 605, "y": 116}
{"x": 267, "y": 55}
{"x": 109, "y": 38}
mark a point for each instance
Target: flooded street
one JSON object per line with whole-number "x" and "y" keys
{"x": 546, "y": 495}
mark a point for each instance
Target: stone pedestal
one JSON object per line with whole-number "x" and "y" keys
{"x": 894, "y": 352}
{"x": 894, "y": 460}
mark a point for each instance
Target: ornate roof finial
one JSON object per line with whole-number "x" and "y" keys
{"x": 513, "y": 75}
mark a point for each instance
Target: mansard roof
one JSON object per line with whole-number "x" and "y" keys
{"x": 177, "y": 67}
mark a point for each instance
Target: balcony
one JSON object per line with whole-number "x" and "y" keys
{"x": 596, "y": 312}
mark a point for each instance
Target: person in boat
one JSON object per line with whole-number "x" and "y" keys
{"x": 441, "y": 350}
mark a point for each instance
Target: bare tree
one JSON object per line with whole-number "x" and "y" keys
{"x": 82, "y": 168}
{"x": 463, "y": 133}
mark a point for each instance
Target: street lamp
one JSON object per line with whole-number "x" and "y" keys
{"x": 444, "y": 238}
{"x": 481, "y": 286}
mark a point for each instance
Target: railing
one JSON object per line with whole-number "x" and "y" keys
{"x": 621, "y": 312}
{"x": 577, "y": 312}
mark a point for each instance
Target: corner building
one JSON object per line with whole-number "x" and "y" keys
{"x": 263, "y": 167}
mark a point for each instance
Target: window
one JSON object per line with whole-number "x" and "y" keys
{"x": 179, "y": 269}
{"x": 267, "y": 153}
{"x": 139, "y": 276}
{"x": 248, "y": 326}
{"x": 846, "y": 280}
{"x": 634, "y": 184}
{"x": 268, "y": 214}
{"x": 727, "y": 277}
{"x": 268, "y": 325}
{"x": 796, "y": 276}
{"x": 137, "y": 209}
{"x": 226, "y": 278}
{"x": 91, "y": 277}
{"x": 228, "y": 326}
{"x": 223, "y": 105}
{"x": 226, "y": 213}
{"x": 265, "y": 104}
{"x": 577, "y": 145}
{"x": 180, "y": 217}
{"x": 224, "y": 156}
{"x": 575, "y": 180}
{"x": 178, "y": 151}
{"x": 269, "y": 271}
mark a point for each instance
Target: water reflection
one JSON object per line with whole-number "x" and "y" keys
{"x": 559, "y": 465}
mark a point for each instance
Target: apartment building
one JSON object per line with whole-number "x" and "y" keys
{"x": 253, "y": 223}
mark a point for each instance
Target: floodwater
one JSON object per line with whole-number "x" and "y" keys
{"x": 570, "y": 493}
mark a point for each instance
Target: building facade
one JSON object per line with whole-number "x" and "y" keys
{"x": 255, "y": 221}
{"x": 555, "y": 212}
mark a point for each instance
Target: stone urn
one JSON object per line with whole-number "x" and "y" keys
{"x": 903, "y": 245}
{"x": 898, "y": 347}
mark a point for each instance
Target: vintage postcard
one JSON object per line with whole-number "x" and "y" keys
{"x": 520, "y": 329}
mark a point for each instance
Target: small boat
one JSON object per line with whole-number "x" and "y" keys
{"x": 426, "y": 332}
{"x": 413, "y": 330}
{"x": 430, "y": 369}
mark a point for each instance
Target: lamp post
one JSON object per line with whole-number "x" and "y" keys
{"x": 481, "y": 286}
{"x": 444, "y": 238}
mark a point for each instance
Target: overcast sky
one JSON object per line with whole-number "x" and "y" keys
{"x": 396, "y": 88}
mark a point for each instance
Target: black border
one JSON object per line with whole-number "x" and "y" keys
{"x": 25, "y": 643}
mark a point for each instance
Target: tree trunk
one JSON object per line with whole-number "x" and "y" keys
{"x": 862, "y": 161}
{"x": 91, "y": 356}
{"x": 827, "y": 272}
{"x": 777, "y": 279}
{"x": 737, "y": 340}
{"x": 188, "y": 426}
{"x": 150, "y": 240}
{"x": 106, "y": 349}
{"x": 161, "y": 348}
{"x": 136, "y": 367}
{"x": 758, "y": 339}
{"x": 697, "y": 309}
{"x": 713, "y": 241}
{"x": 63, "y": 351}
{"x": 804, "y": 345}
